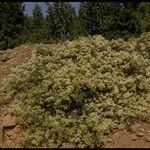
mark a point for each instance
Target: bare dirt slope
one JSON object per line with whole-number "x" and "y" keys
{"x": 12, "y": 58}
{"x": 140, "y": 138}
{"x": 11, "y": 133}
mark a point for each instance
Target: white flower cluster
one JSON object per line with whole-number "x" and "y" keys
{"x": 78, "y": 91}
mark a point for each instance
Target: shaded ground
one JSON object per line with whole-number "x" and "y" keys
{"x": 11, "y": 133}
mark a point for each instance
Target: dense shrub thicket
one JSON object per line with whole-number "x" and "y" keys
{"x": 77, "y": 92}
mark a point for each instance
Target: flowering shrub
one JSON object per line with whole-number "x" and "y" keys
{"x": 79, "y": 91}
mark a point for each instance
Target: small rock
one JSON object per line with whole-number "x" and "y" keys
{"x": 10, "y": 133}
{"x": 9, "y": 121}
{"x": 4, "y": 58}
{"x": 133, "y": 137}
{"x": 140, "y": 134}
{"x": 13, "y": 137}
{"x": 5, "y": 113}
{"x": 68, "y": 145}
{"x": 26, "y": 47}
{"x": 142, "y": 129}
{"x": 147, "y": 138}
{"x": 17, "y": 129}
{"x": 8, "y": 142}
{"x": 109, "y": 140}
{"x": 9, "y": 50}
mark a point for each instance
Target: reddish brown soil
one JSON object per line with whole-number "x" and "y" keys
{"x": 12, "y": 58}
{"x": 121, "y": 139}
{"x": 9, "y": 59}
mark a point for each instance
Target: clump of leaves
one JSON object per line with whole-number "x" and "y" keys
{"x": 79, "y": 91}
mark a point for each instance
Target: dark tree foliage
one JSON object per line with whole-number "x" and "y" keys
{"x": 98, "y": 18}
{"x": 61, "y": 21}
{"x": 11, "y": 21}
{"x": 37, "y": 25}
{"x": 114, "y": 20}
{"x": 110, "y": 19}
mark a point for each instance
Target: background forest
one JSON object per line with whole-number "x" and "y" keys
{"x": 111, "y": 20}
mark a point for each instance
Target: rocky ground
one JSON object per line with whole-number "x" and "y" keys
{"x": 11, "y": 133}
{"x": 140, "y": 138}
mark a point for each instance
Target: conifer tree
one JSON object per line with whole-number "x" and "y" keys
{"x": 37, "y": 16}
{"x": 11, "y": 23}
{"x": 49, "y": 23}
{"x": 114, "y": 20}
{"x": 98, "y": 18}
{"x": 61, "y": 20}
{"x": 37, "y": 24}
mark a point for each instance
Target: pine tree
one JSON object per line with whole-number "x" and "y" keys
{"x": 27, "y": 30}
{"x": 141, "y": 13}
{"x": 11, "y": 22}
{"x": 49, "y": 23}
{"x": 114, "y": 20}
{"x": 98, "y": 18}
{"x": 144, "y": 10}
{"x": 37, "y": 16}
{"x": 37, "y": 24}
{"x": 61, "y": 21}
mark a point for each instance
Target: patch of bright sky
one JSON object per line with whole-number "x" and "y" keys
{"x": 30, "y": 5}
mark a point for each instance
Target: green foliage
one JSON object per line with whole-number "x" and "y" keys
{"x": 11, "y": 20}
{"x": 61, "y": 21}
{"x": 98, "y": 17}
{"x": 79, "y": 91}
{"x": 111, "y": 20}
{"x": 142, "y": 15}
{"x": 115, "y": 20}
{"x": 38, "y": 24}
{"x": 37, "y": 17}
{"x": 34, "y": 27}
{"x": 59, "y": 24}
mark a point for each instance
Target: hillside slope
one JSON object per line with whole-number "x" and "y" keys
{"x": 8, "y": 59}
{"x": 82, "y": 92}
